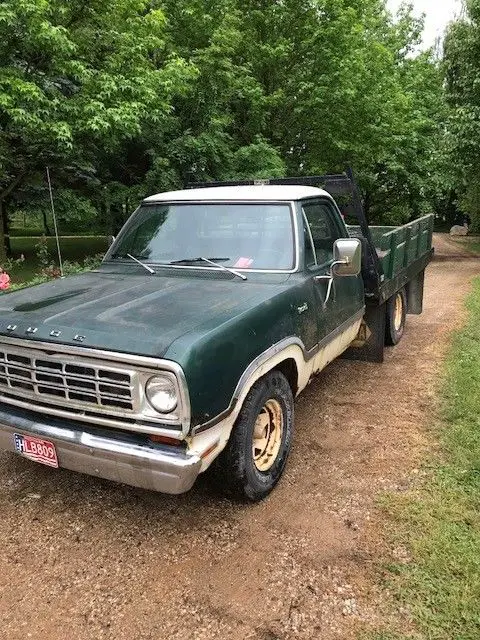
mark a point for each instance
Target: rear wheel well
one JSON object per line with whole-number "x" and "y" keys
{"x": 290, "y": 371}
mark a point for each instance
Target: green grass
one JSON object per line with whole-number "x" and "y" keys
{"x": 21, "y": 231}
{"x": 24, "y": 231}
{"x": 440, "y": 524}
{"x": 473, "y": 246}
{"x": 73, "y": 249}
{"x": 470, "y": 244}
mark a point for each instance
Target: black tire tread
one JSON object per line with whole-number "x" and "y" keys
{"x": 230, "y": 467}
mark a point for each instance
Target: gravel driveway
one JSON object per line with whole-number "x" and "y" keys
{"x": 83, "y": 558}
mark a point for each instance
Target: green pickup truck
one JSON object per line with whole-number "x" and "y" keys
{"x": 212, "y": 310}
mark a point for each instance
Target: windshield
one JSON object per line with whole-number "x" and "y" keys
{"x": 242, "y": 236}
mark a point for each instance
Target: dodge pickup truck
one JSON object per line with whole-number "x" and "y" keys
{"x": 211, "y": 311}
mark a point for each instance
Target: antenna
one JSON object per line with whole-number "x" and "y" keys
{"x": 55, "y": 223}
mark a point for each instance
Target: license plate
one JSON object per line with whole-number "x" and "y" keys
{"x": 36, "y": 449}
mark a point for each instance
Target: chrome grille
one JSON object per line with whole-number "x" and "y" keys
{"x": 48, "y": 378}
{"x": 104, "y": 388}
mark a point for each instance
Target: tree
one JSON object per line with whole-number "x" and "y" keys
{"x": 342, "y": 84}
{"x": 75, "y": 77}
{"x": 128, "y": 97}
{"x": 462, "y": 72}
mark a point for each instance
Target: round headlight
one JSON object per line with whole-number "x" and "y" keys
{"x": 161, "y": 392}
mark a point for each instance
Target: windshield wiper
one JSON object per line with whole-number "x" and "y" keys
{"x": 213, "y": 262}
{"x": 129, "y": 255}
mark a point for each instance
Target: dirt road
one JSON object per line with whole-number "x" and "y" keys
{"x": 82, "y": 558}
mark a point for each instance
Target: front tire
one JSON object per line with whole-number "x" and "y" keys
{"x": 396, "y": 318}
{"x": 255, "y": 456}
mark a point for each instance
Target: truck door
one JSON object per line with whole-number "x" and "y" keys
{"x": 323, "y": 227}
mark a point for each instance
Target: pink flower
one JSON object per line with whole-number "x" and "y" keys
{"x": 4, "y": 280}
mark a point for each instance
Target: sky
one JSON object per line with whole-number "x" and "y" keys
{"x": 438, "y": 14}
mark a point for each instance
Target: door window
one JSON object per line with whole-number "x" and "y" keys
{"x": 322, "y": 231}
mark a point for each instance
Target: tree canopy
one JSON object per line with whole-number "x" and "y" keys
{"x": 122, "y": 98}
{"x": 462, "y": 73}
{"x": 79, "y": 78}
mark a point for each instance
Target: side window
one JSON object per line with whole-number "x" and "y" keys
{"x": 323, "y": 231}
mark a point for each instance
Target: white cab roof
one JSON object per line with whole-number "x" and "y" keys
{"x": 256, "y": 193}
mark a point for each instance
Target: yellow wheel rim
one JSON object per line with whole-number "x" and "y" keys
{"x": 398, "y": 314}
{"x": 267, "y": 435}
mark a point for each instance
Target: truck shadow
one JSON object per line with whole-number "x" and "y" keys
{"x": 85, "y": 499}
{"x": 62, "y": 496}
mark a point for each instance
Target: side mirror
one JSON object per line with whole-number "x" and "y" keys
{"x": 347, "y": 256}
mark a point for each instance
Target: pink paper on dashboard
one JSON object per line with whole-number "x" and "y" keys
{"x": 243, "y": 263}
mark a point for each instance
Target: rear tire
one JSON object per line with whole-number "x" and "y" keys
{"x": 396, "y": 317}
{"x": 255, "y": 456}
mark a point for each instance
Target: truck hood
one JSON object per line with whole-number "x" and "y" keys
{"x": 131, "y": 312}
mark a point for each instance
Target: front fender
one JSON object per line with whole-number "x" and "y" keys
{"x": 218, "y": 362}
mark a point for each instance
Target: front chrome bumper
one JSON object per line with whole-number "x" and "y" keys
{"x": 104, "y": 455}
